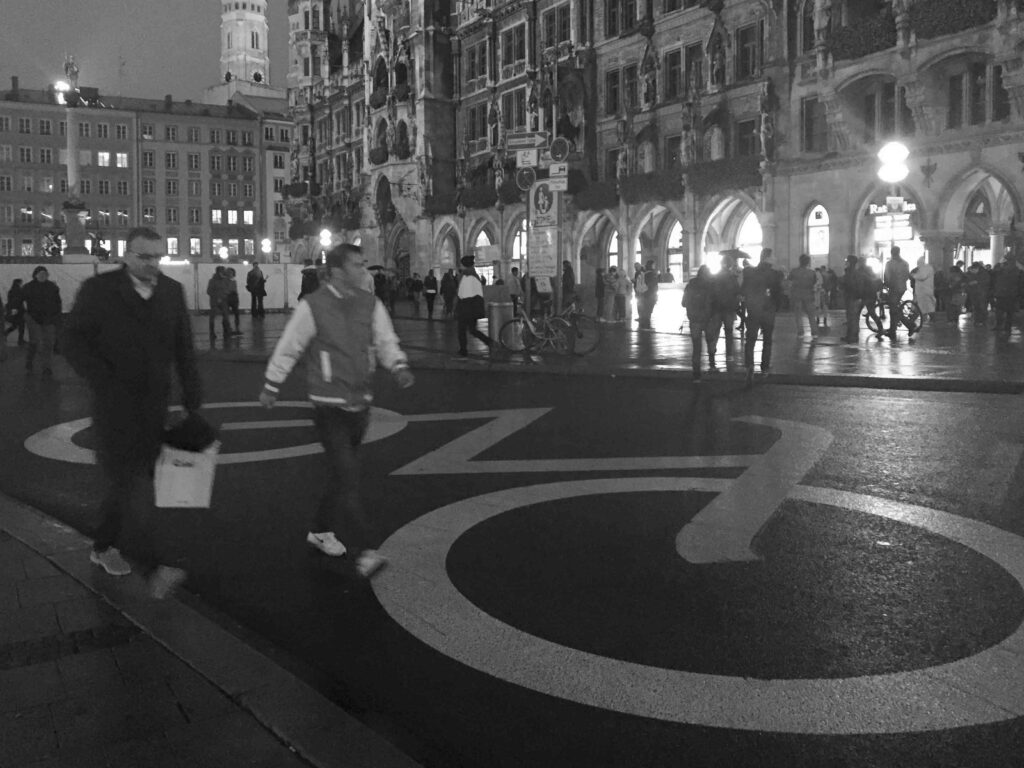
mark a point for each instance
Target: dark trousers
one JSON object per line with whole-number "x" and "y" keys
{"x": 979, "y": 307}
{"x": 17, "y": 322}
{"x": 647, "y": 309}
{"x": 853, "y": 308}
{"x": 469, "y": 325}
{"x": 1005, "y": 307}
{"x": 765, "y": 325}
{"x": 708, "y": 332}
{"x": 430, "y": 303}
{"x": 340, "y": 510}
{"x": 619, "y": 307}
{"x": 41, "y": 341}
{"x": 600, "y": 307}
{"x": 222, "y": 310}
{"x": 256, "y": 306}
{"x": 872, "y": 308}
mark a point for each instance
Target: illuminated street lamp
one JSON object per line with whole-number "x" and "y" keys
{"x": 266, "y": 246}
{"x": 223, "y": 252}
{"x": 74, "y": 210}
{"x": 893, "y": 157}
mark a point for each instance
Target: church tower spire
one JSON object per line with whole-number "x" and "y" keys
{"x": 243, "y": 41}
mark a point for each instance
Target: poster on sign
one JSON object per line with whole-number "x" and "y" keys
{"x": 542, "y": 252}
{"x": 544, "y": 205}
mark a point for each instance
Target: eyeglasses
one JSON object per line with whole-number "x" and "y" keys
{"x": 145, "y": 256}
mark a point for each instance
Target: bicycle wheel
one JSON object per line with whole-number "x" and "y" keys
{"x": 557, "y": 335}
{"x": 869, "y": 321}
{"x": 516, "y": 336}
{"x": 911, "y": 316}
{"x": 585, "y": 335}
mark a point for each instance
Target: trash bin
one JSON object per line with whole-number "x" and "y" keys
{"x": 498, "y": 313}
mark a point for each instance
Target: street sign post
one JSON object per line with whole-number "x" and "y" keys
{"x": 526, "y": 158}
{"x": 559, "y": 169}
{"x": 558, "y": 183}
{"x": 544, "y": 205}
{"x": 526, "y": 140}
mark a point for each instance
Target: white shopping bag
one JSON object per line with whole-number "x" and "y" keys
{"x": 184, "y": 478}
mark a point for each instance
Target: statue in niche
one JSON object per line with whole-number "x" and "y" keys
{"x": 650, "y": 86}
{"x": 822, "y": 20}
{"x": 766, "y": 104}
{"x": 383, "y": 35}
{"x": 687, "y": 146}
{"x": 294, "y": 160}
{"x": 622, "y": 163}
{"x": 718, "y": 62}
{"x": 533, "y": 107}
{"x": 389, "y": 134}
{"x": 494, "y": 121}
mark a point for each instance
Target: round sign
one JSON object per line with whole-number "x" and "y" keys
{"x": 525, "y": 177}
{"x": 559, "y": 149}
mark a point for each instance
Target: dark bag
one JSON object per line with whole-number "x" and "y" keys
{"x": 471, "y": 308}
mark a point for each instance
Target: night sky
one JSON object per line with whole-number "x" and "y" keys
{"x": 164, "y": 46}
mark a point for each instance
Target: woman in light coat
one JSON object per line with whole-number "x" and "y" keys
{"x": 924, "y": 287}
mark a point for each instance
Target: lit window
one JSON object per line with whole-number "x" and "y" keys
{"x": 216, "y": 216}
{"x": 817, "y": 231}
{"x": 232, "y": 217}
{"x": 247, "y": 217}
{"x": 103, "y": 159}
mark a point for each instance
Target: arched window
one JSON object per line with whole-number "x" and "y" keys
{"x": 817, "y": 232}
{"x": 749, "y": 238}
{"x": 675, "y": 250}
{"x": 449, "y": 252}
{"x": 613, "y": 250}
{"x": 484, "y": 267}
{"x": 482, "y": 239}
{"x": 518, "y": 258}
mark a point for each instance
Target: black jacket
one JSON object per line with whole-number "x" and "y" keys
{"x": 126, "y": 348}
{"x": 42, "y": 301}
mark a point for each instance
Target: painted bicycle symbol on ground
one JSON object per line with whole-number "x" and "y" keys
{"x": 418, "y": 593}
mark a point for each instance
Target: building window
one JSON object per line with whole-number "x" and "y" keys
{"x": 194, "y": 246}
{"x": 25, "y": 154}
{"x": 149, "y": 215}
{"x": 86, "y": 186}
{"x": 102, "y": 186}
{"x": 513, "y": 45}
{"x": 278, "y": 184}
{"x": 172, "y": 187}
{"x": 285, "y": 134}
{"x": 215, "y": 135}
{"x": 5, "y": 184}
{"x": 6, "y": 214}
{"x": 102, "y": 131}
{"x": 812, "y": 118}
{"x": 26, "y": 215}
{"x": 216, "y": 162}
{"x": 193, "y": 135}
{"x": 675, "y": 253}
{"x": 147, "y": 130}
{"x": 122, "y": 159}
{"x": 747, "y": 143}
{"x": 629, "y": 87}
{"x": 45, "y": 128}
{"x": 46, "y": 156}
{"x": 693, "y": 66}
{"x": 6, "y": 247}
{"x": 556, "y": 26}
{"x": 24, "y": 125}
{"x": 194, "y": 216}
{"x": 673, "y": 75}
{"x": 232, "y": 190}
{"x": 194, "y": 163}
{"x": 172, "y": 215}
{"x": 122, "y": 217}
{"x": 121, "y": 132}
{"x": 5, "y": 124}
{"x": 148, "y": 159}
{"x": 171, "y": 132}
{"x": 216, "y": 216}
{"x": 278, "y": 161}
{"x": 122, "y": 188}
{"x": 215, "y": 189}
{"x": 172, "y": 245}
{"x": 171, "y": 160}
{"x": 883, "y": 117}
{"x": 247, "y": 190}
{"x": 232, "y": 164}
{"x": 620, "y": 17}
{"x": 232, "y": 216}
{"x": 817, "y": 232}
{"x": 246, "y": 138}
{"x": 268, "y": 133}
{"x": 6, "y": 153}
{"x": 748, "y": 51}
{"x": 84, "y": 130}
{"x": 149, "y": 186}
{"x": 103, "y": 159}
{"x": 231, "y": 136}
{"x": 195, "y": 188}
{"x": 250, "y": 246}
{"x": 611, "y": 92}
{"x": 248, "y": 164}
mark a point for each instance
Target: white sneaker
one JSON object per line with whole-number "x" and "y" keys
{"x": 110, "y": 560}
{"x": 327, "y": 543}
{"x": 369, "y": 562}
{"x": 164, "y": 581}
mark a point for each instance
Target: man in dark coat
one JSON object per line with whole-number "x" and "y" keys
{"x": 128, "y": 329}
{"x": 256, "y": 285}
{"x": 762, "y": 292}
{"x": 43, "y": 310}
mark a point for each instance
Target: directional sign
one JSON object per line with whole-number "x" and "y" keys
{"x": 526, "y": 140}
{"x": 525, "y": 178}
{"x": 559, "y": 169}
{"x": 558, "y": 183}
{"x": 526, "y": 158}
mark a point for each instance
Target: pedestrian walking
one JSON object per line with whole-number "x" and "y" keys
{"x": 126, "y": 332}
{"x": 341, "y": 331}
{"x": 232, "y": 298}
{"x": 857, "y": 288}
{"x": 415, "y": 292}
{"x": 639, "y": 291}
{"x": 650, "y": 283}
{"x": 762, "y": 292}
{"x": 470, "y": 307}
{"x": 894, "y": 278}
{"x": 256, "y": 285}
{"x": 978, "y": 282}
{"x": 14, "y": 314}
{"x": 430, "y": 292}
{"x": 600, "y": 287}
{"x": 698, "y": 300}
{"x": 725, "y": 288}
{"x": 802, "y": 284}
{"x": 217, "y": 291}
{"x": 923, "y": 276}
{"x": 515, "y": 290}
{"x": 449, "y": 289}
{"x": 620, "y": 286}
{"x": 568, "y": 284}
{"x": 1007, "y": 289}
{"x": 43, "y": 311}
{"x": 821, "y": 298}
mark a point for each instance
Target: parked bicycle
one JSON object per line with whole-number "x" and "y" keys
{"x": 910, "y": 318}
{"x": 586, "y": 331}
{"x": 568, "y": 332}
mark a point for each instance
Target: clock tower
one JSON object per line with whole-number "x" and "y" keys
{"x": 243, "y": 41}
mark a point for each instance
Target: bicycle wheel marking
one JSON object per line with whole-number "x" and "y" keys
{"x": 417, "y": 593}
{"x": 57, "y": 442}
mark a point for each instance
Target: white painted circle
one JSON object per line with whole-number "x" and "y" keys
{"x": 417, "y": 593}
{"x": 57, "y": 442}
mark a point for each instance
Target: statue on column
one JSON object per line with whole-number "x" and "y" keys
{"x": 767, "y": 128}
{"x": 71, "y": 72}
{"x": 822, "y": 21}
{"x": 717, "y": 62}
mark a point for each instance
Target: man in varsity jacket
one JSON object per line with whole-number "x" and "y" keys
{"x": 341, "y": 331}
